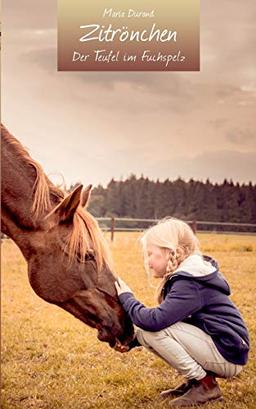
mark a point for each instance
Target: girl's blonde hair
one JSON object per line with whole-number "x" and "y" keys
{"x": 174, "y": 236}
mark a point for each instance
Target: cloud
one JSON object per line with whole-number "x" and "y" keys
{"x": 30, "y": 14}
{"x": 240, "y": 136}
{"x": 215, "y": 165}
{"x": 218, "y": 123}
{"x": 45, "y": 58}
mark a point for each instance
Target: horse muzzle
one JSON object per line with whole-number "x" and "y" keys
{"x": 115, "y": 343}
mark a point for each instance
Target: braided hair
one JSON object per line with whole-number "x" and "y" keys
{"x": 177, "y": 238}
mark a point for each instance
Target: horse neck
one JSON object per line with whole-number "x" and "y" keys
{"x": 19, "y": 175}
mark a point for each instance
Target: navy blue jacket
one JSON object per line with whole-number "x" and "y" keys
{"x": 201, "y": 301}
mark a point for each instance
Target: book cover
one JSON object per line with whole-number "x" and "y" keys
{"x": 153, "y": 104}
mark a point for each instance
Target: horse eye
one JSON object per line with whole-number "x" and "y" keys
{"x": 90, "y": 255}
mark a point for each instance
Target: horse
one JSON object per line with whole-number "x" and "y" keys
{"x": 68, "y": 259}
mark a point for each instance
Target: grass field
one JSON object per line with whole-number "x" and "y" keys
{"x": 50, "y": 360}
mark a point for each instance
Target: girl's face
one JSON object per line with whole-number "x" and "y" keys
{"x": 157, "y": 260}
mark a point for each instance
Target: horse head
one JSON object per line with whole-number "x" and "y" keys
{"x": 75, "y": 269}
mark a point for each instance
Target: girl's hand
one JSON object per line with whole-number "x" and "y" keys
{"x": 122, "y": 287}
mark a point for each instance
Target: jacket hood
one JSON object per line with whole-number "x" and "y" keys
{"x": 204, "y": 269}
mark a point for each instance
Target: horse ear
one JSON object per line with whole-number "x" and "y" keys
{"x": 85, "y": 196}
{"x": 66, "y": 209}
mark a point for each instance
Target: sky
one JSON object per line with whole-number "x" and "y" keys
{"x": 90, "y": 127}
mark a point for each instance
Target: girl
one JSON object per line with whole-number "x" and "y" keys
{"x": 196, "y": 328}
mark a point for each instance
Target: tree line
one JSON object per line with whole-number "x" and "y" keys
{"x": 192, "y": 200}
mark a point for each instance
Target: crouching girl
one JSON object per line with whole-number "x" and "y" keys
{"x": 196, "y": 328}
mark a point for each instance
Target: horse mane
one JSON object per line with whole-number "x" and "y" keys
{"x": 42, "y": 187}
{"x": 80, "y": 242}
{"x": 85, "y": 232}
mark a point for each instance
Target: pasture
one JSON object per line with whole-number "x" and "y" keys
{"x": 50, "y": 360}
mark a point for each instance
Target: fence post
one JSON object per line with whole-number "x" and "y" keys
{"x": 112, "y": 228}
{"x": 194, "y": 226}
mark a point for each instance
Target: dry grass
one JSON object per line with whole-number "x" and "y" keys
{"x": 50, "y": 360}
